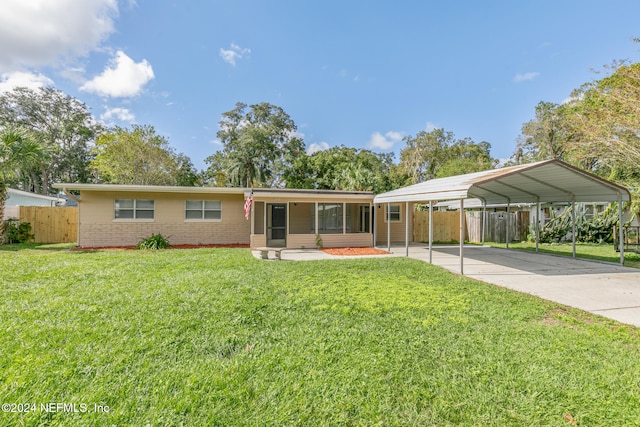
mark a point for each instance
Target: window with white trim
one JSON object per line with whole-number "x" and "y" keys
{"x": 134, "y": 209}
{"x": 392, "y": 213}
{"x": 203, "y": 209}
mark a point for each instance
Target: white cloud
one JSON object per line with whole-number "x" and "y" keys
{"x": 314, "y": 148}
{"x": 9, "y": 81}
{"x": 523, "y": 77}
{"x": 121, "y": 114}
{"x": 41, "y": 32}
{"x": 384, "y": 142}
{"x": 430, "y": 127}
{"x": 236, "y": 52}
{"x": 121, "y": 78}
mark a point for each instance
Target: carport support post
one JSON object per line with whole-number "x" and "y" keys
{"x": 508, "y": 224}
{"x": 620, "y": 231}
{"x": 461, "y": 236}
{"x": 374, "y": 223}
{"x": 406, "y": 230}
{"x": 430, "y": 231}
{"x": 388, "y": 219}
{"x": 537, "y": 224}
{"x": 484, "y": 220}
{"x": 573, "y": 227}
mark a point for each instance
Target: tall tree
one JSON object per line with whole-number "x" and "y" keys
{"x": 598, "y": 129}
{"x": 139, "y": 156}
{"x": 465, "y": 156}
{"x": 546, "y": 136}
{"x": 437, "y": 153}
{"x": 343, "y": 168}
{"x": 424, "y": 153}
{"x": 607, "y": 111}
{"x": 63, "y": 124}
{"x": 260, "y": 142}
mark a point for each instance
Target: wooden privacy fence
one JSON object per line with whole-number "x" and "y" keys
{"x": 51, "y": 224}
{"x": 446, "y": 226}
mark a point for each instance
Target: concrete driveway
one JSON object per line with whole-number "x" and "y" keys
{"x": 606, "y": 289}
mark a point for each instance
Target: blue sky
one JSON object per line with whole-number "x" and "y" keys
{"x": 359, "y": 73}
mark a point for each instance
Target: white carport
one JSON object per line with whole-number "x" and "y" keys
{"x": 546, "y": 181}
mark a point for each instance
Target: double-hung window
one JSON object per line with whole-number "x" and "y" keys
{"x": 392, "y": 213}
{"x": 203, "y": 209}
{"x": 134, "y": 209}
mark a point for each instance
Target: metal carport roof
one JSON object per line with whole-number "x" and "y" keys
{"x": 546, "y": 181}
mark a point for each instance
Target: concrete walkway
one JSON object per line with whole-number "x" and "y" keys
{"x": 609, "y": 290}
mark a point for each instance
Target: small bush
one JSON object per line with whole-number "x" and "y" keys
{"x": 17, "y": 232}
{"x": 157, "y": 241}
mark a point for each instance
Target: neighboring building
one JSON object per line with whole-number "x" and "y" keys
{"x": 17, "y": 198}
{"x": 122, "y": 215}
{"x": 25, "y": 198}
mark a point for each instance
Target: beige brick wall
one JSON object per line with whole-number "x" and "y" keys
{"x": 97, "y": 226}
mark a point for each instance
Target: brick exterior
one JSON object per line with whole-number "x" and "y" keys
{"x": 98, "y": 228}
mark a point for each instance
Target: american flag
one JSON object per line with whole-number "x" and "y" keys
{"x": 247, "y": 205}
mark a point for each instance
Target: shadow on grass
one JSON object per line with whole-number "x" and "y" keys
{"x": 16, "y": 247}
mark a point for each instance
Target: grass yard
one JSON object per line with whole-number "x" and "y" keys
{"x": 214, "y": 337}
{"x": 599, "y": 252}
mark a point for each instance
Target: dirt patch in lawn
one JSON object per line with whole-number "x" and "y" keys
{"x": 354, "y": 251}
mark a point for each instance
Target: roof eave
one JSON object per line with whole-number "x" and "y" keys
{"x": 147, "y": 188}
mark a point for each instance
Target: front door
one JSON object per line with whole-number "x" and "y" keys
{"x": 277, "y": 225}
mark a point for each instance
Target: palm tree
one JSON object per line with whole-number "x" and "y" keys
{"x": 20, "y": 158}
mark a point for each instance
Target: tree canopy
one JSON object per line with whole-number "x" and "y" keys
{"x": 343, "y": 168}
{"x": 139, "y": 156}
{"x": 260, "y": 143}
{"x": 597, "y": 129}
{"x": 61, "y": 123}
{"x": 438, "y": 153}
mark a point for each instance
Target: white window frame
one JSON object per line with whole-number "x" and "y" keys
{"x": 388, "y": 215}
{"x": 203, "y": 210}
{"x": 135, "y": 209}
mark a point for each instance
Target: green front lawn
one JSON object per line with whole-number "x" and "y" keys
{"x": 599, "y": 252}
{"x": 209, "y": 337}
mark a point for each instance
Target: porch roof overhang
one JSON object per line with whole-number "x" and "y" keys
{"x": 545, "y": 181}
